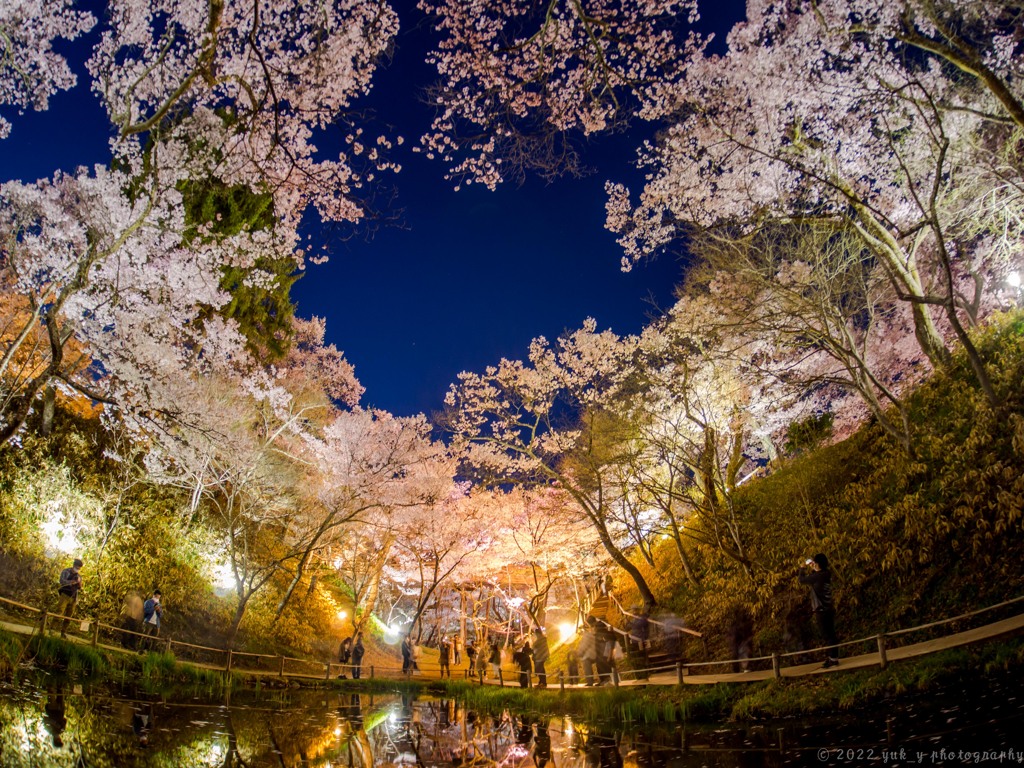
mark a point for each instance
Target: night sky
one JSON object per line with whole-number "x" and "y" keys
{"x": 455, "y": 280}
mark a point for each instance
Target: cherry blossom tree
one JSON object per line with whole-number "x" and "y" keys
{"x": 105, "y": 277}
{"x": 527, "y": 423}
{"x": 30, "y": 70}
{"x": 519, "y": 77}
{"x": 376, "y": 473}
{"x": 819, "y": 294}
{"x": 801, "y": 121}
{"x": 234, "y": 91}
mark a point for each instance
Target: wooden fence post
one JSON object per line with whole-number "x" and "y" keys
{"x": 561, "y": 680}
{"x": 227, "y": 666}
{"x": 167, "y": 648}
{"x": 679, "y": 672}
{"x": 371, "y": 671}
{"x": 95, "y": 634}
{"x": 883, "y": 659}
{"x": 280, "y": 669}
{"x": 501, "y": 679}
{"x": 776, "y": 666}
{"x": 327, "y": 676}
{"x": 42, "y": 623}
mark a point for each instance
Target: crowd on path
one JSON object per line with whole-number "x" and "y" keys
{"x": 597, "y": 655}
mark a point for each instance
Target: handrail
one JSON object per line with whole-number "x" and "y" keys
{"x": 434, "y": 667}
{"x": 21, "y": 605}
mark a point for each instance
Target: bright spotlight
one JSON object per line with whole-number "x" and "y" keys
{"x": 342, "y": 615}
{"x": 567, "y": 630}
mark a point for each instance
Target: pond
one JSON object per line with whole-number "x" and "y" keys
{"x": 51, "y": 722}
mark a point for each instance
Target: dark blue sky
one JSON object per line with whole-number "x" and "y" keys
{"x": 462, "y": 278}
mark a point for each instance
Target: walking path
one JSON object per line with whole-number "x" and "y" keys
{"x": 284, "y": 667}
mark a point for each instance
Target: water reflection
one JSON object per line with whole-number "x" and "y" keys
{"x": 54, "y": 725}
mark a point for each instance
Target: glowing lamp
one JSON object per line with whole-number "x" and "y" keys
{"x": 567, "y": 630}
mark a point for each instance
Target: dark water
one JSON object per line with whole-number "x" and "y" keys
{"x": 47, "y": 722}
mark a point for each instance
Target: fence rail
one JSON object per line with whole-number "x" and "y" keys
{"x": 123, "y": 639}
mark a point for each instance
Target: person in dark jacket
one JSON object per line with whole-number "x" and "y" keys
{"x": 444, "y": 657}
{"x": 345, "y": 656}
{"x": 819, "y": 578}
{"x": 406, "y": 655}
{"x": 358, "y": 651}
{"x": 524, "y": 659}
{"x": 70, "y": 584}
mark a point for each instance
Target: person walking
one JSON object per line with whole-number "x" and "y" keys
{"x": 152, "y": 614}
{"x": 604, "y": 639}
{"x": 819, "y": 579}
{"x": 586, "y": 649}
{"x": 358, "y": 651}
{"x": 70, "y": 584}
{"x": 345, "y": 656}
{"x": 541, "y": 653}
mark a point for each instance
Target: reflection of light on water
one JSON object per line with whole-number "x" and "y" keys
{"x": 515, "y": 752}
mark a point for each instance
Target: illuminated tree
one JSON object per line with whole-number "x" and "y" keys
{"x": 30, "y": 70}
{"x": 518, "y": 77}
{"x": 529, "y": 424}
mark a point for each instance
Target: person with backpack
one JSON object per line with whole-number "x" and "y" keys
{"x": 70, "y": 584}
{"x": 152, "y": 612}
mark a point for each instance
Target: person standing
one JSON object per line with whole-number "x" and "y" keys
{"x": 345, "y": 656}
{"x": 444, "y": 653}
{"x": 471, "y": 658}
{"x": 572, "y": 668}
{"x": 495, "y": 659}
{"x": 407, "y": 655}
{"x": 67, "y": 594}
{"x": 541, "y": 653}
{"x": 819, "y": 578}
{"x": 358, "y": 651}
{"x": 152, "y": 613}
{"x": 524, "y": 658}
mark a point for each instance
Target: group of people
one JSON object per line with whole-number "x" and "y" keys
{"x": 350, "y": 655}
{"x": 599, "y": 651}
{"x": 144, "y": 619}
